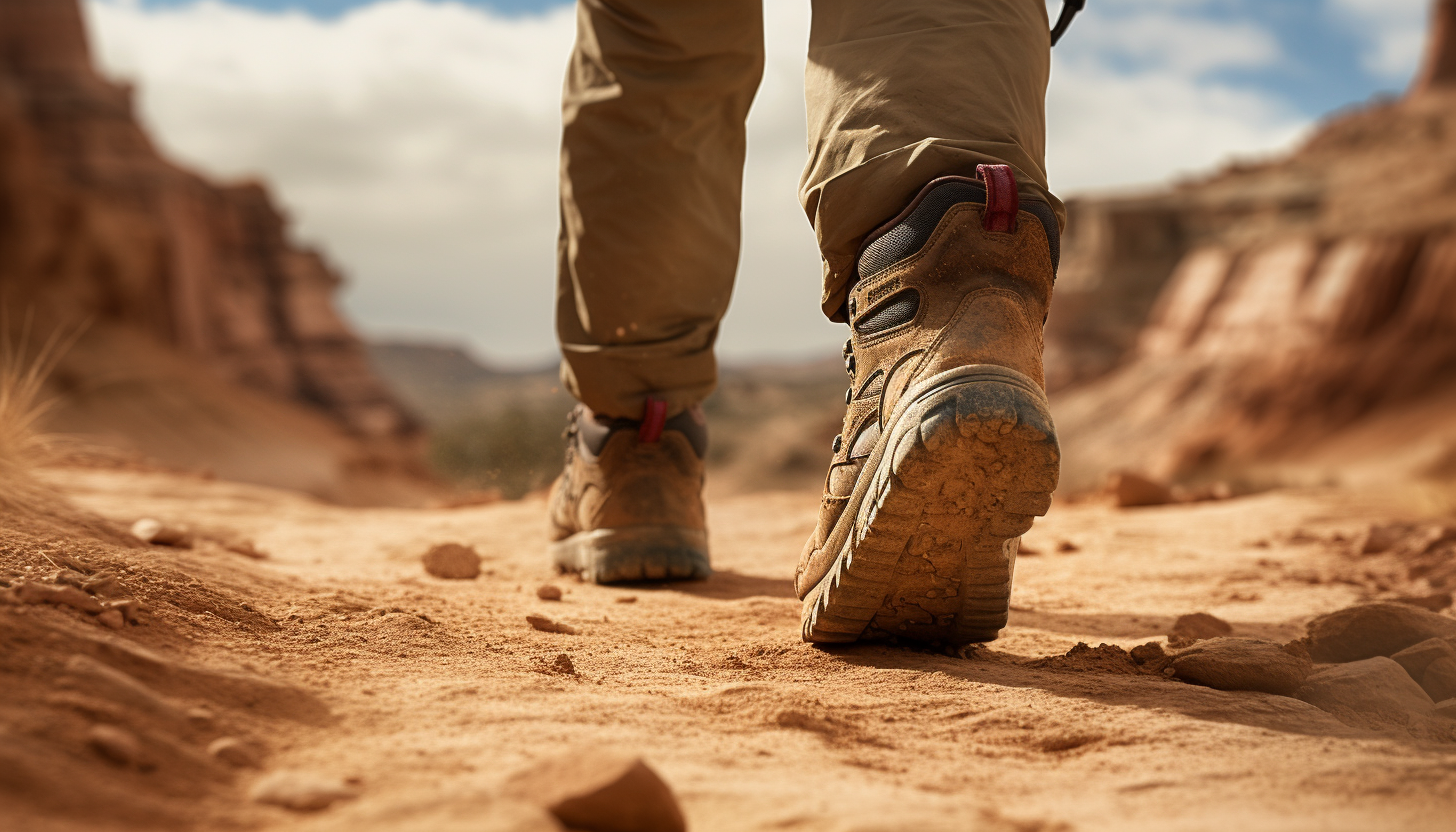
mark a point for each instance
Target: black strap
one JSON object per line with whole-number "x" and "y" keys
{"x": 1069, "y": 11}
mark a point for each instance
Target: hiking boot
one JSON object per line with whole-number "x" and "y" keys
{"x": 948, "y": 449}
{"x": 629, "y": 505}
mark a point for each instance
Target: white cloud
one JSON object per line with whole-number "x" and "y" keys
{"x": 1151, "y": 36}
{"x": 1134, "y": 98}
{"x": 1394, "y": 32}
{"x": 417, "y": 142}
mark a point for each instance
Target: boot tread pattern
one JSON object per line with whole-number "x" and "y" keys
{"x": 933, "y": 548}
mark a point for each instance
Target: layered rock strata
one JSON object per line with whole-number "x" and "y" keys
{"x": 1259, "y": 313}
{"x": 191, "y": 292}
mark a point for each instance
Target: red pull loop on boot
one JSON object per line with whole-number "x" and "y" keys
{"x": 1002, "y": 203}
{"x": 654, "y": 416}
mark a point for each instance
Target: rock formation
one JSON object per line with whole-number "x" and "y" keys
{"x": 1438, "y": 70}
{"x": 211, "y": 339}
{"x": 1267, "y": 311}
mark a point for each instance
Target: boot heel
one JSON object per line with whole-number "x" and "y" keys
{"x": 962, "y": 475}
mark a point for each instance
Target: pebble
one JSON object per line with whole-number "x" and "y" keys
{"x": 236, "y": 753}
{"x": 1439, "y": 680}
{"x": 301, "y": 791}
{"x": 1368, "y": 630}
{"x": 246, "y": 548}
{"x": 31, "y": 592}
{"x": 117, "y": 745}
{"x": 1446, "y": 708}
{"x": 1381, "y": 537}
{"x": 546, "y": 625}
{"x": 1195, "y": 626}
{"x": 1241, "y": 664}
{"x": 1376, "y": 687}
{"x": 600, "y": 791}
{"x": 1150, "y": 652}
{"x": 103, "y": 583}
{"x": 626, "y": 599}
{"x": 1416, "y": 658}
{"x": 153, "y": 531}
{"x": 452, "y": 561}
{"x": 1130, "y": 490}
{"x": 130, "y": 608}
{"x": 548, "y": 592}
{"x": 112, "y": 618}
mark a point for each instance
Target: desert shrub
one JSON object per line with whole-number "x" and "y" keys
{"x": 516, "y": 450}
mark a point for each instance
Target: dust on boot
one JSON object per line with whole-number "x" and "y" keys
{"x": 948, "y": 450}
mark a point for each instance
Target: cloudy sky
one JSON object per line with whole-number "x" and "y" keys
{"x": 415, "y": 141}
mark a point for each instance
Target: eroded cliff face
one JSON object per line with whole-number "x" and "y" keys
{"x": 196, "y": 304}
{"x": 1271, "y": 312}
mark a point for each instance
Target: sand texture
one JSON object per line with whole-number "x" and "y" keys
{"x": 334, "y": 684}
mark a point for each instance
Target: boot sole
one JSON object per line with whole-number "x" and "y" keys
{"x": 957, "y": 477}
{"x": 635, "y": 553}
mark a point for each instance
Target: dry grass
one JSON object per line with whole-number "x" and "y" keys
{"x": 22, "y": 378}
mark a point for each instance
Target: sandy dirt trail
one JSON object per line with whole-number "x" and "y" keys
{"x": 438, "y": 690}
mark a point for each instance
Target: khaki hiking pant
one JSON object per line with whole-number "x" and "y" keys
{"x": 898, "y": 92}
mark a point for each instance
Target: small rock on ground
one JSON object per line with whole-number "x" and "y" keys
{"x": 1375, "y": 689}
{"x": 1150, "y": 652}
{"x": 1416, "y": 658}
{"x": 1446, "y": 709}
{"x": 246, "y": 548}
{"x": 32, "y": 592}
{"x": 236, "y": 753}
{"x": 1195, "y": 626}
{"x": 118, "y": 745}
{"x": 1241, "y": 664}
{"x": 301, "y": 791}
{"x": 1381, "y": 537}
{"x": 548, "y": 592}
{"x": 559, "y": 666}
{"x": 157, "y": 533}
{"x": 452, "y": 561}
{"x": 600, "y": 791}
{"x": 547, "y": 625}
{"x": 1439, "y": 680}
{"x": 1369, "y": 630}
{"x": 1130, "y": 490}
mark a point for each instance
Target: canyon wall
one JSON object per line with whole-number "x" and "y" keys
{"x": 210, "y": 339}
{"x": 1274, "y": 311}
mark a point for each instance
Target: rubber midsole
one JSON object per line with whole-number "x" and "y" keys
{"x": 623, "y": 553}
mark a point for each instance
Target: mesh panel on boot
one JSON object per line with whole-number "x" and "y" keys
{"x": 899, "y": 309}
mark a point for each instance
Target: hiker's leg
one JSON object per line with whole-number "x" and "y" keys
{"x": 901, "y": 93}
{"x": 947, "y": 450}
{"x": 651, "y": 171}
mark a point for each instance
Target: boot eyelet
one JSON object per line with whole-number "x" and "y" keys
{"x": 849, "y": 395}
{"x": 853, "y": 307}
{"x": 838, "y": 443}
{"x": 849, "y": 365}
